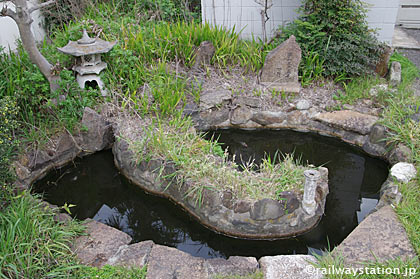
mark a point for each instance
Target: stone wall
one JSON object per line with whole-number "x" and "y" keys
{"x": 245, "y": 15}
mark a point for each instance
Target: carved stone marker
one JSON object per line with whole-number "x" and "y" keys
{"x": 280, "y": 70}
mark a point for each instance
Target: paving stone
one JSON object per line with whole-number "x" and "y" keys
{"x": 379, "y": 237}
{"x": 100, "y": 243}
{"x": 238, "y": 266}
{"x": 289, "y": 267}
{"x": 348, "y": 120}
{"x": 171, "y": 263}
{"x": 136, "y": 254}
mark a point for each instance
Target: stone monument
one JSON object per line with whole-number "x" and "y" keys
{"x": 280, "y": 70}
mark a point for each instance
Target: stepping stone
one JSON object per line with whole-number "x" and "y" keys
{"x": 100, "y": 243}
{"x": 136, "y": 254}
{"x": 171, "y": 263}
{"x": 289, "y": 267}
{"x": 379, "y": 237}
{"x": 348, "y": 120}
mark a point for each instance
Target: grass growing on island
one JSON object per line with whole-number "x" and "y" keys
{"x": 206, "y": 165}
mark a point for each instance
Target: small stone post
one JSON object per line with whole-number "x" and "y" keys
{"x": 311, "y": 182}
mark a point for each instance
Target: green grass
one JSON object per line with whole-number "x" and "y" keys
{"x": 32, "y": 245}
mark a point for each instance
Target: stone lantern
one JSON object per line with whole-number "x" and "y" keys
{"x": 88, "y": 52}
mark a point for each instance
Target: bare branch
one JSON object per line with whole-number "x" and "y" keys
{"x": 42, "y": 5}
{"x": 5, "y": 11}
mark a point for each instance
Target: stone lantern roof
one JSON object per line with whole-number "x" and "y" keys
{"x": 87, "y": 46}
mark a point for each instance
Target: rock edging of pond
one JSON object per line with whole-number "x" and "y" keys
{"x": 219, "y": 109}
{"x": 97, "y": 135}
{"x": 219, "y": 211}
{"x": 104, "y": 245}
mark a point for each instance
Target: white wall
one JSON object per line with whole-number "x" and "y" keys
{"x": 9, "y": 32}
{"x": 245, "y": 14}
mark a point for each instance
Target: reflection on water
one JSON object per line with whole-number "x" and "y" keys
{"x": 101, "y": 193}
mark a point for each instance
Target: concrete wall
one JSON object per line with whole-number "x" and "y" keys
{"x": 9, "y": 32}
{"x": 245, "y": 15}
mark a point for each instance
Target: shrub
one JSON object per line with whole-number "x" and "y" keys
{"x": 8, "y": 124}
{"x": 338, "y": 32}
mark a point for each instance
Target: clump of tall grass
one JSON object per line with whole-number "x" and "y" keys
{"x": 32, "y": 245}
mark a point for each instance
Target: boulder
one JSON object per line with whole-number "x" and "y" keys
{"x": 240, "y": 115}
{"x": 204, "y": 54}
{"x": 97, "y": 133}
{"x": 380, "y": 236}
{"x": 133, "y": 255}
{"x": 169, "y": 263}
{"x": 348, "y": 120}
{"x": 100, "y": 243}
{"x": 403, "y": 172}
{"x": 268, "y": 117}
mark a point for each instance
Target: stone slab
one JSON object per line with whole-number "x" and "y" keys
{"x": 402, "y": 39}
{"x": 234, "y": 266}
{"x": 289, "y": 267}
{"x": 348, "y": 120}
{"x": 100, "y": 243}
{"x": 136, "y": 254}
{"x": 379, "y": 237}
{"x": 170, "y": 263}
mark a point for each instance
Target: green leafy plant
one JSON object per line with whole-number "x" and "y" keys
{"x": 334, "y": 36}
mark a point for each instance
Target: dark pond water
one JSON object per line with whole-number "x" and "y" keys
{"x": 101, "y": 193}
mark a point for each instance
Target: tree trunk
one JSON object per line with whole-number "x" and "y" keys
{"x": 23, "y": 19}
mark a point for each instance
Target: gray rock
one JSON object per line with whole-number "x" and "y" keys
{"x": 211, "y": 99}
{"x": 395, "y": 73}
{"x": 268, "y": 117}
{"x": 348, "y": 120}
{"x": 403, "y": 172}
{"x": 242, "y": 206}
{"x": 252, "y": 102}
{"x": 290, "y": 201}
{"x": 239, "y": 266}
{"x": 97, "y": 134}
{"x": 303, "y": 105}
{"x": 400, "y": 153}
{"x": 379, "y": 237}
{"x": 133, "y": 255}
{"x": 204, "y": 54}
{"x": 215, "y": 117}
{"x": 280, "y": 70}
{"x": 100, "y": 243}
{"x": 289, "y": 267}
{"x": 240, "y": 115}
{"x": 190, "y": 109}
{"x": 378, "y": 134}
{"x": 169, "y": 263}
{"x": 267, "y": 209}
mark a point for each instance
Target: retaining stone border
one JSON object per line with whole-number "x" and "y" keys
{"x": 220, "y": 211}
{"x": 34, "y": 165}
